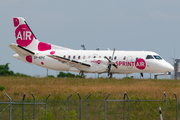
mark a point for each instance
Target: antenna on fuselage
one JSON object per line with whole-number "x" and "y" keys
{"x": 98, "y": 48}
{"x": 83, "y": 46}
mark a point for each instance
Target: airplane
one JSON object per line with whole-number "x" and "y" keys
{"x": 30, "y": 50}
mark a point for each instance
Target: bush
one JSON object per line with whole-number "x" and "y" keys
{"x": 21, "y": 75}
{"x": 2, "y": 88}
{"x": 68, "y": 75}
{"x": 51, "y": 76}
{"x": 61, "y": 74}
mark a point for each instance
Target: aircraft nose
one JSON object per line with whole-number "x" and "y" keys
{"x": 169, "y": 67}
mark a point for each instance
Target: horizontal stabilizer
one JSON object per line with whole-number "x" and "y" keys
{"x": 21, "y": 50}
{"x": 72, "y": 63}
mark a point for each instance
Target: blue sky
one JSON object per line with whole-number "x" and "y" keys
{"x": 151, "y": 25}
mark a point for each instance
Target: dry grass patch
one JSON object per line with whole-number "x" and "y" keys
{"x": 61, "y": 88}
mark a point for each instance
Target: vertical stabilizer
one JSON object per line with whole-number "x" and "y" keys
{"x": 24, "y": 35}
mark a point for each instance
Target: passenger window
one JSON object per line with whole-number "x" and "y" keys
{"x": 84, "y": 57}
{"x": 99, "y": 56}
{"x": 115, "y": 58}
{"x": 74, "y": 57}
{"x": 124, "y": 58}
{"x": 89, "y": 56}
{"x": 109, "y": 57}
{"x": 94, "y": 57}
{"x": 157, "y": 57}
{"x": 64, "y": 56}
{"x": 149, "y": 57}
{"x": 79, "y": 57}
{"x": 69, "y": 57}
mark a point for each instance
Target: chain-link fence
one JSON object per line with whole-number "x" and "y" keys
{"x": 89, "y": 109}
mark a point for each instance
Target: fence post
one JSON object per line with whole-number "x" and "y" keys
{"x": 34, "y": 105}
{"x": 67, "y": 105}
{"x": 79, "y": 106}
{"x": 160, "y": 113}
{"x": 10, "y": 105}
{"x": 176, "y": 106}
{"x": 46, "y": 107}
{"x": 165, "y": 104}
{"x": 105, "y": 105}
{"x": 125, "y": 94}
{"x": 86, "y": 104}
{"x": 124, "y": 106}
{"x": 23, "y": 106}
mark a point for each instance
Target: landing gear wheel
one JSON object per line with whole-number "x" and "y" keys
{"x": 81, "y": 74}
{"x": 110, "y": 75}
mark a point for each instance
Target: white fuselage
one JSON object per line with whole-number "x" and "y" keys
{"x": 29, "y": 49}
{"x": 127, "y": 61}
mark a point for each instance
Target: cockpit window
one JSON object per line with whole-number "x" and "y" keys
{"x": 137, "y": 59}
{"x": 149, "y": 57}
{"x": 157, "y": 57}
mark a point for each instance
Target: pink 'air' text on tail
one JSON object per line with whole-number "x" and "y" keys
{"x": 26, "y": 38}
{"x": 24, "y": 35}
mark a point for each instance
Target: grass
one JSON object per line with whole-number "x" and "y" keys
{"x": 61, "y": 88}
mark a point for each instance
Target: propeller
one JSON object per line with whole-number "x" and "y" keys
{"x": 110, "y": 62}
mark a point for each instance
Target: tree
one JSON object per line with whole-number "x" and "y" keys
{"x": 4, "y": 71}
{"x": 66, "y": 75}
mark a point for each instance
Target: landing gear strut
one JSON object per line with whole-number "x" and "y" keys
{"x": 81, "y": 73}
{"x": 110, "y": 75}
{"x": 141, "y": 75}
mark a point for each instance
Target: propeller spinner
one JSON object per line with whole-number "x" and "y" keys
{"x": 111, "y": 62}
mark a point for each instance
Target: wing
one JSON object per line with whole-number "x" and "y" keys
{"x": 72, "y": 63}
{"x": 21, "y": 50}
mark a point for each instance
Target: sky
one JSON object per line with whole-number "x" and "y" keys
{"x": 149, "y": 25}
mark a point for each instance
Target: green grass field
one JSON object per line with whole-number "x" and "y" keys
{"x": 61, "y": 88}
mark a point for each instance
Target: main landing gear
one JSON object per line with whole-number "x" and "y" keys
{"x": 110, "y": 75}
{"x": 81, "y": 73}
{"x": 141, "y": 75}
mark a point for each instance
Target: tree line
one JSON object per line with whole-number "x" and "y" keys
{"x": 5, "y": 71}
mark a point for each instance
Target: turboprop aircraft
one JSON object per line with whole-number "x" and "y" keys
{"x": 58, "y": 58}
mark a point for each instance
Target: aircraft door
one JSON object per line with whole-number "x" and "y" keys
{"x": 129, "y": 62}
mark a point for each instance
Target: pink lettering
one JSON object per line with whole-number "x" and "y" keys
{"x": 140, "y": 64}
{"x": 124, "y": 63}
{"x": 117, "y": 63}
{"x": 132, "y": 63}
{"x": 128, "y": 63}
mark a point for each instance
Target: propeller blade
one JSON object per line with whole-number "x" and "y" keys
{"x": 115, "y": 65}
{"x": 109, "y": 68}
{"x": 113, "y": 54}
{"x": 107, "y": 59}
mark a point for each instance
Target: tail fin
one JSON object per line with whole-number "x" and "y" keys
{"x": 24, "y": 35}
{"x": 26, "y": 38}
